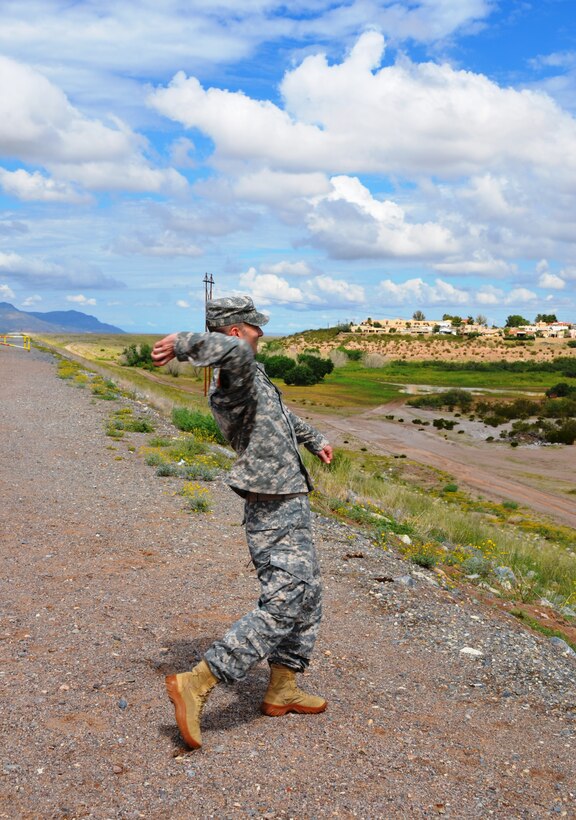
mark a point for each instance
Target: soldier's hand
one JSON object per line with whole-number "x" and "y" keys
{"x": 163, "y": 351}
{"x": 325, "y": 454}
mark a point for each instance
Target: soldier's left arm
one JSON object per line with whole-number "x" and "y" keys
{"x": 307, "y": 435}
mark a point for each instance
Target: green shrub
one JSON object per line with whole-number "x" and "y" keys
{"x": 159, "y": 441}
{"x": 319, "y": 367}
{"x": 300, "y": 375}
{"x": 353, "y": 355}
{"x": 138, "y": 356}
{"x": 201, "y": 424}
{"x": 167, "y": 469}
{"x": 278, "y": 366}
{"x": 154, "y": 459}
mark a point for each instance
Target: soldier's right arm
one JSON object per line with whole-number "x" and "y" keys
{"x": 232, "y": 355}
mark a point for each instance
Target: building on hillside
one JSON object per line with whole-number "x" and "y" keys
{"x": 422, "y": 327}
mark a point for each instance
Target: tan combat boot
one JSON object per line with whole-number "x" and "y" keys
{"x": 189, "y": 691}
{"x": 284, "y": 696}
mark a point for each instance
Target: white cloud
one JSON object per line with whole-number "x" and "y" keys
{"x": 36, "y": 187}
{"x": 279, "y": 189}
{"x": 481, "y": 263}
{"x": 182, "y": 303}
{"x": 319, "y": 291}
{"x": 551, "y": 281}
{"x": 416, "y": 292}
{"x": 336, "y": 292}
{"x": 520, "y": 296}
{"x": 266, "y": 288}
{"x": 355, "y": 117}
{"x": 287, "y": 268}
{"x": 38, "y": 124}
{"x": 80, "y": 299}
{"x": 6, "y": 292}
{"x": 30, "y": 301}
{"x": 350, "y": 223}
{"x": 489, "y": 295}
{"x": 139, "y": 38}
{"x": 494, "y": 197}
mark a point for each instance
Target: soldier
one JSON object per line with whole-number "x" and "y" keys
{"x": 270, "y": 475}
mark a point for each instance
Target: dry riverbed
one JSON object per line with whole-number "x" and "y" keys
{"x": 437, "y": 704}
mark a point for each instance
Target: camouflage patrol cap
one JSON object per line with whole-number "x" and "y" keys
{"x": 232, "y": 310}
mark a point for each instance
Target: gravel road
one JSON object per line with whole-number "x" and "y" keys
{"x": 437, "y": 705}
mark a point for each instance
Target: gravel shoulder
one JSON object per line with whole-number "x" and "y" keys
{"x": 108, "y": 584}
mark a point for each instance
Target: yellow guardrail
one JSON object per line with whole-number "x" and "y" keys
{"x": 15, "y": 340}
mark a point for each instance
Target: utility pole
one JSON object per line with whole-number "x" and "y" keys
{"x": 208, "y": 290}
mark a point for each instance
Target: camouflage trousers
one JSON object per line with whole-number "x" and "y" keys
{"x": 285, "y": 623}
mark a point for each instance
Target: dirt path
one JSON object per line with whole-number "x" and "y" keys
{"x": 495, "y": 470}
{"x": 437, "y": 706}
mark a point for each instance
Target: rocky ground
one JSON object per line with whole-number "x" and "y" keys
{"x": 437, "y": 705}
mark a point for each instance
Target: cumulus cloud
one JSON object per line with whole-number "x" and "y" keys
{"x": 551, "y": 281}
{"x": 267, "y": 288}
{"x": 350, "y": 223}
{"x": 6, "y": 292}
{"x": 489, "y": 295}
{"x": 418, "y": 292}
{"x": 279, "y": 189}
{"x": 319, "y": 291}
{"x": 80, "y": 299}
{"x": 520, "y": 296}
{"x": 37, "y": 187}
{"x": 405, "y": 118}
{"x": 182, "y": 303}
{"x": 336, "y": 292}
{"x": 495, "y": 197}
{"x": 480, "y": 263}
{"x": 39, "y": 125}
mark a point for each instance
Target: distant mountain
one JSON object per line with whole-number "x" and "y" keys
{"x": 55, "y": 321}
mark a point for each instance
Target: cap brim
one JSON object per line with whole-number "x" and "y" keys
{"x": 256, "y": 318}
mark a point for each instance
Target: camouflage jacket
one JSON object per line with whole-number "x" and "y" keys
{"x": 250, "y": 412}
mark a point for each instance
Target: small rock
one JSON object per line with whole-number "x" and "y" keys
{"x": 565, "y": 648}
{"x": 469, "y": 650}
{"x": 505, "y": 574}
{"x": 122, "y": 703}
{"x": 405, "y": 539}
{"x": 405, "y": 580}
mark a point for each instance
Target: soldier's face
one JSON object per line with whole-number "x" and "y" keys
{"x": 251, "y": 334}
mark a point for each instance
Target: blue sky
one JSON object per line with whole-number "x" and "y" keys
{"x": 335, "y": 160}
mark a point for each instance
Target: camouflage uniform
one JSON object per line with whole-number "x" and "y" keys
{"x": 265, "y": 434}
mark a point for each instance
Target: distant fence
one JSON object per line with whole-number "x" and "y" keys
{"x": 15, "y": 340}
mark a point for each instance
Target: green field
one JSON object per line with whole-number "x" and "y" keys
{"x": 351, "y": 388}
